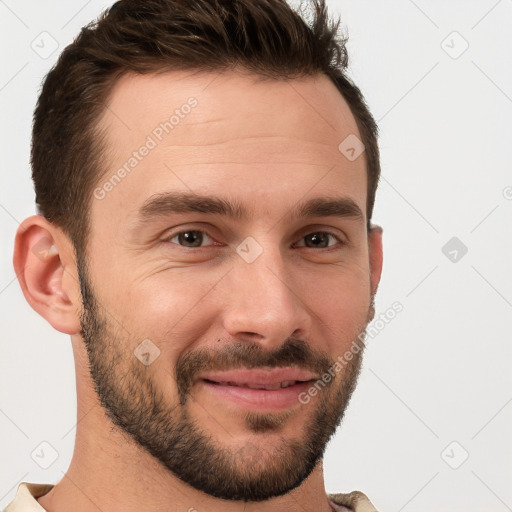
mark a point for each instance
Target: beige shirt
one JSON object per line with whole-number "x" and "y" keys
{"x": 25, "y": 500}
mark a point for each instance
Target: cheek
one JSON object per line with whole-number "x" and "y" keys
{"x": 174, "y": 308}
{"x": 341, "y": 301}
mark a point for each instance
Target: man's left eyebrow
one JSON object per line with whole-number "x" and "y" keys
{"x": 343, "y": 207}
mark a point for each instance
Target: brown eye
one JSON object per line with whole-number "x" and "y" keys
{"x": 190, "y": 238}
{"x": 320, "y": 240}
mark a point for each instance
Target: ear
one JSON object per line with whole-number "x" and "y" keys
{"x": 376, "y": 260}
{"x": 45, "y": 266}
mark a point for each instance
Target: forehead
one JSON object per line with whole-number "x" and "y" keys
{"x": 231, "y": 134}
{"x": 141, "y": 98}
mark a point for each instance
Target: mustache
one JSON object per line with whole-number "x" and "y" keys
{"x": 250, "y": 355}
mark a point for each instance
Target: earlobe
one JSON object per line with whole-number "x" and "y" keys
{"x": 44, "y": 266}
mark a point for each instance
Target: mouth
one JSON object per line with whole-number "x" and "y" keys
{"x": 269, "y": 389}
{"x": 277, "y": 385}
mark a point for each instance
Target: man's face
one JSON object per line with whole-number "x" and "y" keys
{"x": 204, "y": 329}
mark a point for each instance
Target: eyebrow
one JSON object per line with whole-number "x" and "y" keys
{"x": 168, "y": 203}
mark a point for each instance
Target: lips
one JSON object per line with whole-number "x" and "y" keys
{"x": 260, "y": 389}
{"x": 261, "y": 378}
{"x": 277, "y": 385}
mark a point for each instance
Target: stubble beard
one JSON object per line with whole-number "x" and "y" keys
{"x": 134, "y": 403}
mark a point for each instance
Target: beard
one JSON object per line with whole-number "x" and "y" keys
{"x": 133, "y": 402}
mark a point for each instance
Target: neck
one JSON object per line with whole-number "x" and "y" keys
{"x": 110, "y": 474}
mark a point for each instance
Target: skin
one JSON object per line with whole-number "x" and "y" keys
{"x": 268, "y": 145}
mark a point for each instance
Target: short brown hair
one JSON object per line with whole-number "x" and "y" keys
{"x": 266, "y": 37}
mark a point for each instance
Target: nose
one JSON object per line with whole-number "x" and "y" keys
{"x": 264, "y": 300}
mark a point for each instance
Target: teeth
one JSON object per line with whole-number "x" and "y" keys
{"x": 254, "y": 386}
{"x": 278, "y": 385}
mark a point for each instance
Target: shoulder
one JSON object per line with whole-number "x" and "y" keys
{"x": 355, "y": 500}
{"x": 25, "y": 499}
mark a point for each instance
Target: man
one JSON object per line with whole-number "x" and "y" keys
{"x": 205, "y": 176}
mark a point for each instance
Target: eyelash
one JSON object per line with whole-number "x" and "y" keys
{"x": 330, "y": 233}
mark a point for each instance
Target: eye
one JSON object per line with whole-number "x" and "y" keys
{"x": 320, "y": 240}
{"x": 190, "y": 238}
{"x": 194, "y": 238}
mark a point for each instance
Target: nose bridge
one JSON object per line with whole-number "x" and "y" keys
{"x": 262, "y": 298}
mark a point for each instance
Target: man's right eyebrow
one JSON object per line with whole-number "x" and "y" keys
{"x": 165, "y": 204}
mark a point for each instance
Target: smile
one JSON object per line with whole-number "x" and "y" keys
{"x": 261, "y": 390}
{"x": 278, "y": 385}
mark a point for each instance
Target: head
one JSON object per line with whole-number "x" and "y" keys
{"x": 207, "y": 173}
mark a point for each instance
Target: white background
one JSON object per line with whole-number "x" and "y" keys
{"x": 441, "y": 370}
